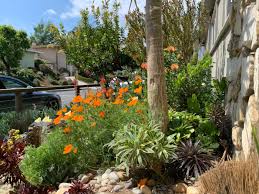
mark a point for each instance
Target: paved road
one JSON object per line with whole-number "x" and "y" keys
{"x": 68, "y": 95}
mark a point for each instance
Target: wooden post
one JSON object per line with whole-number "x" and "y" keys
{"x": 18, "y": 102}
{"x": 77, "y": 90}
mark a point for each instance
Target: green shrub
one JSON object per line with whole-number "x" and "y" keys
{"x": 190, "y": 87}
{"x": 21, "y": 121}
{"x": 141, "y": 146}
{"x": 78, "y": 145}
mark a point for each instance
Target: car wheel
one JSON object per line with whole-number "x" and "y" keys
{"x": 53, "y": 104}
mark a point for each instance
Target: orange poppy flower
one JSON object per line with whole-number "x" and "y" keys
{"x": 93, "y": 124}
{"x": 139, "y": 111}
{"x": 118, "y": 101}
{"x": 133, "y": 102}
{"x": 75, "y": 150}
{"x": 99, "y": 94}
{"x": 68, "y": 148}
{"x": 109, "y": 92}
{"x": 170, "y": 49}
{"x": 174, "y": 67}
{"x": 102, "y": 114}
{"x": 67, "y": 130}
{"x": 74, "y": 107}
{"x": 68, "y": 115}
{"x": 63, "y": 110}
{"x": 77, "y": 99}
{"x": 138, "y": 90}
{"x": 97, "y": 102}
{"x": 80, "y": 109}
{"x": 57, "y": 120}
{"x": 142, "y": 182}
{"x": 88, "y": 100}
{"x": 138, "y": 81}
{"x": 78, "y": 118}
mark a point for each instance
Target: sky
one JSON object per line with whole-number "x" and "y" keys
{"x": 25, "y": 14}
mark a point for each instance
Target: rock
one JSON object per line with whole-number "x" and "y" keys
{"x": 86, "y": 178}
{"x": 5, "y": 188}
{"x": 236, "y": 136}
{"x": 104, "y": 182}
{"x": 256, "y": 74}
{"x": 145, "y": 190}
{"x": 122, "y": 175}
{"x": 193, "y": 190}
{"x": 98, "y": 179}
{"x": 92, "y": 182}
{"x": 103, "y": 189}
{"x": 64, "y": 185}
{"x": 117, "y": 188}
{"x": 251, "y": 120}
{"x": 62, "y": 191}
{"x": 97, "y": 186}
{"x": 105, "y": 176}
{"x": 129, "y": 184}
{"x": 108, "y": 171}
{"x": 112, "y": 182}
{"x": 80, "y": 176}
{"x": 180, "y": 188}
{"x": 136, "y": 190}
{"x": 247, "y": 77}
{"x": 36, "y": 82}
{"x": 114, "y": 176}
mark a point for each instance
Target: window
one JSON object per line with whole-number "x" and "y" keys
{"x": 9, "y": 84}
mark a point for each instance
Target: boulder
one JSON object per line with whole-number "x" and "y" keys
{"x": 237, "y": 139}
{"x": 251, "y": 120}
{"x": 114, "y": 176}
{"x": 193, "y": 190}
{"x": 64, "y": 185}
{"x": 180, "y": 188}
{"x": 256, "y": 74}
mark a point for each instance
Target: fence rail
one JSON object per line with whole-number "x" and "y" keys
{"x": 19, "y": 98}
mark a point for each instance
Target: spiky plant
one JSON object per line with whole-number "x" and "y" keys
{"x": 80, "y": 188}
{"x": 191, "y": 160}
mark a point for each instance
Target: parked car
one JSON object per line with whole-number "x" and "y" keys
{"x": 30, "y": 100}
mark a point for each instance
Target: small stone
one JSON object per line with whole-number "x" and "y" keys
{"x": 108, "y": 171}
{"x": 105, "y": 176}
{"x": 104, "y": 182}
{"x": 113, "y": 176}
{"x": 103, "y": 189}
{"x": 64, "y": 185}
{"x": 80, "y": 176}
{"x": 146, "y": 190}
{"x": 122, "y": 175}
{"x": 193, "y": 190}
{"x": 99, "y": 179}
{"x": 86, "y": 178}
{"x": 117, "y": 188}
{"x": 92, "y": 182}
{"x": 180, "y": 188}
{"x": 62, "y": 190}
{"x": 97, "y": 186}
{"x": 129, "y": 184}
{"x": 112, "y": 182}
{"x": 136, "y": 191}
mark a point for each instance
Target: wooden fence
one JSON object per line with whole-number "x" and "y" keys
{"x": 19, "y": 98}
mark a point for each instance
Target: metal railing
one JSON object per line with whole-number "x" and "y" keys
{"x": 19, "y": 98}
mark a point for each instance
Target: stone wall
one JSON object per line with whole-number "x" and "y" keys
{"x": 233, "y": 41}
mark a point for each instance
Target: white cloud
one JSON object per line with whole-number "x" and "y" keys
{"x": 50, "y": 12}
{"x": 78, "y": 5}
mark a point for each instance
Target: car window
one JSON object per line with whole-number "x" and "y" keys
{"x": 9, "y": 84}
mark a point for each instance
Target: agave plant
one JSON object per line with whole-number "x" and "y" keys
{"x": 191, "y": 160}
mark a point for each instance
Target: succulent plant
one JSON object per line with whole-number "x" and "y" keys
{"x": 79, "y": 188}
{"x": 191, "y": 160}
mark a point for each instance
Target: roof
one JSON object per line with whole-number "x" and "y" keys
{"x": 33, "y": 51}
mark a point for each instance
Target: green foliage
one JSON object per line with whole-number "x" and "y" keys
{"x": 42, "y": 34}
{"x": 141, "y": 146}
{"x": 21, "y": 121}
{"x": 90, "y": 127}
{"x": 190, "y": 86}
{"x": 184, "y": 126}
{"x": 13, "y": 44}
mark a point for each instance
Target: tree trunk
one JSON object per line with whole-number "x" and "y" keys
{"x": 7, "y": 66}
{"x": 157, "y": 97}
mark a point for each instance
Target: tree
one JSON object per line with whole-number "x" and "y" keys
{"x": 182, "y": 24}
{"x": 13, "y": 44}
{"x": 42, "y": 34}
{"x": 157, "y": 98}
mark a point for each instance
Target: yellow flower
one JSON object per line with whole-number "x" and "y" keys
{"x": 47, "y": 119}
{"x": 38, "y": 120}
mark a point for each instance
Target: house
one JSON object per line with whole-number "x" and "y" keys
{"x": 233, "y": 41}
{"x": 28, "y": 58}
{"x": 54, "y": 56}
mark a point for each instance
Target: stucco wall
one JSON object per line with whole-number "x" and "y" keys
{"x": 28, "y": 59}
{"x": 233, "y": 41}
